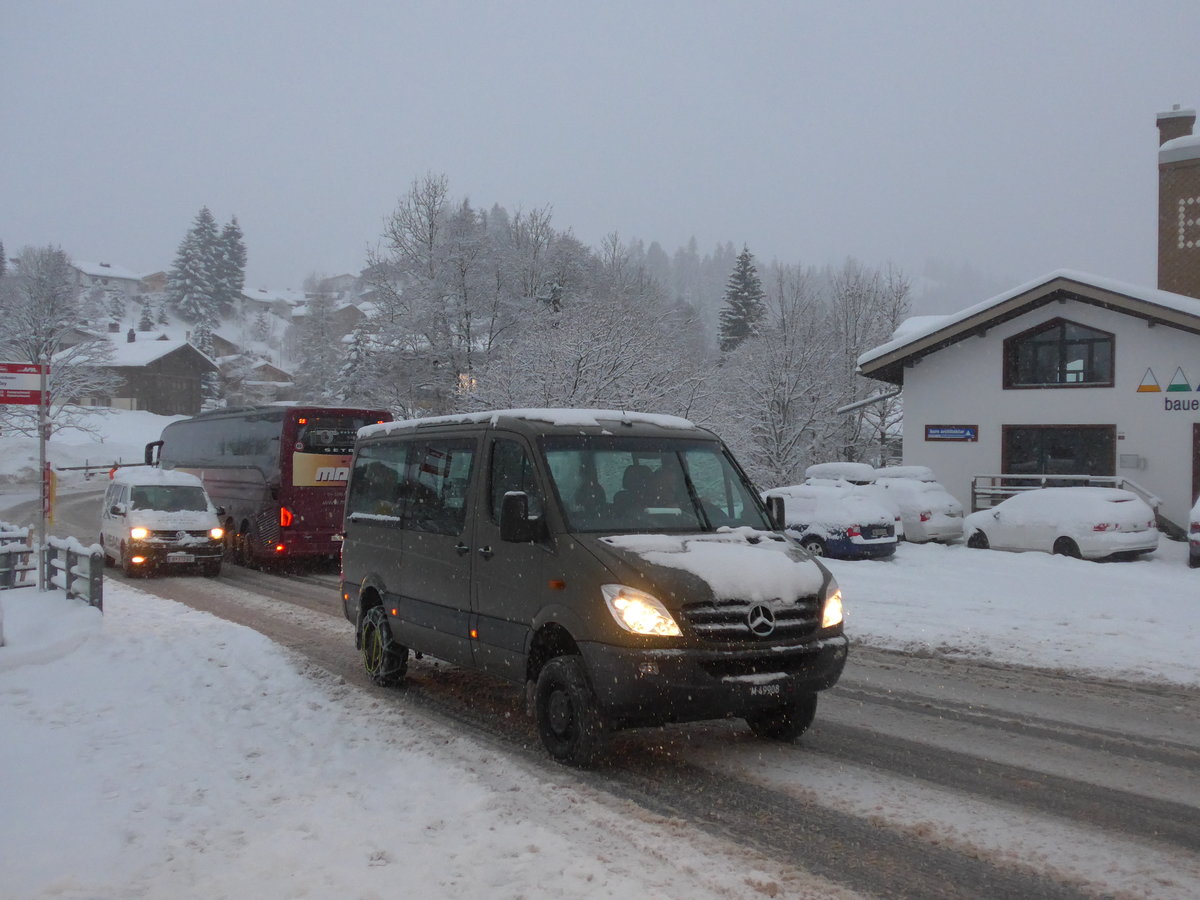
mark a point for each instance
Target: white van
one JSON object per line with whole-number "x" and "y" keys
{"x": 154, "y": 519}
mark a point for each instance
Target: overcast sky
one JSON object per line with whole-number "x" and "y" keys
{"x": 1014, "y": 137}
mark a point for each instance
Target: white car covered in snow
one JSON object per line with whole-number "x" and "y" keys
{"x": 830, "y": 518}
{"x": 928, "y": 510}
{"x": 1087, "y": 522}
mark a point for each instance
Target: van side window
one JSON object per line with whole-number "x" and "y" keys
{"x": 434, "y": 489}
{"x": 375, "y": 485}
{"x": 512, "y": 470}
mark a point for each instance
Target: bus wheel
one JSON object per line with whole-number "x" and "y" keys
{"x": 385, "y": 660}
{"x": 245, "y": 549}
{"x": 568, "y": 718}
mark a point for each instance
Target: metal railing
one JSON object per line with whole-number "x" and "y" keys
{"x": 75, "y": 569}
{"x": 988, "y": 490}
{"x": 15, "y": 565}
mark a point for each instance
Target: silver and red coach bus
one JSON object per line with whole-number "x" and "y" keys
{"x": 278, "y": 471}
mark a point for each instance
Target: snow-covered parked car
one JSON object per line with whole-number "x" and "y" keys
{"x": 1194, "y": 536}
{"x": 831, "y": 518}
{"x": 928, "y": 510}
{"x": 1087, "y": 522}
{"x": 862, "y": 477}
{"x": 156, "y": 518}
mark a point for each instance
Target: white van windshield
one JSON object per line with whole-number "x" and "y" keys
{"x": 168, "y": 497}
{"x": 629, "y": 484}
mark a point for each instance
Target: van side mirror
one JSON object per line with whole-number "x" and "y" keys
{"x": 221, "y": 511}
{"x": 775, "y": 512}
{"x": 117, "y": 509}
{"x": 153, "y": 452}
{"x": 516, "y": 526}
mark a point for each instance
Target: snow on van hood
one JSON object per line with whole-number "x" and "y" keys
{"x": 737, "y": 563}
{"x": 178, "y": 520}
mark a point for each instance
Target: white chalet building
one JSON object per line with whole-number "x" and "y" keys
{"x": 1070, "y": 374}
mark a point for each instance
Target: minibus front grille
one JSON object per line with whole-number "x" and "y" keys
{"x": 730, "y": 620}
{"x": 172, "y": 534}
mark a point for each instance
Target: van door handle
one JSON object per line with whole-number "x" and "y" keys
{"x": 462, "y": 548}
{"x": 486, "y": 552}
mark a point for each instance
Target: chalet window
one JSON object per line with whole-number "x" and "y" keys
{"x": 1059, "y": 354}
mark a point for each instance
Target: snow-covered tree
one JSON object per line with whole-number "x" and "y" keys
{"x": 210, "y": 383}
{"x": 39, "y": 307}
{"x": 778, "y": 394}
{"x": 146, "y": 322}
{"x": 866, "y": 306}
{"x": 317, "y": 351}
{"x": 191, "y": 279}
{"x": 743, "y": 311}
{"x": 229, "y": 268}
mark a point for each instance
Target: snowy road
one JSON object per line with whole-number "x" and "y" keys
{"x": 923, "y": 776}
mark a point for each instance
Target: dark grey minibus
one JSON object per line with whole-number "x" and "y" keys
{"x": 618, "y": 565}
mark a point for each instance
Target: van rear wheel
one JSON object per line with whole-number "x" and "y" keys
{"x": 385, "y": 660}
{"x": 568, "y": 718}
{"x": 785, "y": 723}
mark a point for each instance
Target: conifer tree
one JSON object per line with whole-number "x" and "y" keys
{"x": 210, "y": 384}
{"x": 744, "y": 309}
{"x": 229, "y": 268}
{"x": 190, "y": 283}
{"x": 146, "y": 322}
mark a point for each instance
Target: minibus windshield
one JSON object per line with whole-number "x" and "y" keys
{"x": 617, "y": 484}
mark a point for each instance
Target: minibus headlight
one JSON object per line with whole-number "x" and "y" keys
{"x": 139, "y": 533}
{"x": 831, "y": 615}
{"x": 216, "y": 533}
{"x": 638, "y": 612}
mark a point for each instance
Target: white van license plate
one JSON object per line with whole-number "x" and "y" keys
{"x": 180, "y": 558}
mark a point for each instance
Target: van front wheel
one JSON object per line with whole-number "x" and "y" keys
{"x": 785, "y": 723}
{"x": 385, "y": 660}
{"x": 567, "y": 716}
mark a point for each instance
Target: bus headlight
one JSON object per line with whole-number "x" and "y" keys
{"x": 638, "y": 612}
{"x": 139, "y": 533}
{"x": 831, "y": 615}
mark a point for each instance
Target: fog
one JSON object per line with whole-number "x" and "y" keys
{"x": 1002, "y": 141}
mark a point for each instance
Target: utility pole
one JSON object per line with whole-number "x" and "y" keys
{"x": 43, "y": 434}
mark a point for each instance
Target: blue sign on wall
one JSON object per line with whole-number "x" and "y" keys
{"x": 952, "y": 432}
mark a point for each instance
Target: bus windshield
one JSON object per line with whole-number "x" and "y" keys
{"x": 630, "y": 484}
{"x": 328, "y": 434}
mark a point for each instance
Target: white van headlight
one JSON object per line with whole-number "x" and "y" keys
{"x": 831, "y": 613}
{"x": 139, "y": 533}
{"x": 216, "y": 533}
{"x": 638, "y": 612}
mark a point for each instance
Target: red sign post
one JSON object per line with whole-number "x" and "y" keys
{"x": 20, "y": 383}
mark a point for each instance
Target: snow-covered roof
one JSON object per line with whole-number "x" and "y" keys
{"x": 142, "y": 353}
{"x": 275, "y": 295}
{"x": 579, "y": 418}
{"x": 935, "y": 332}
{"x": 154, "y": 475}
{"x": 105, "y": 270}
{"x": 1179, "y": 149}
